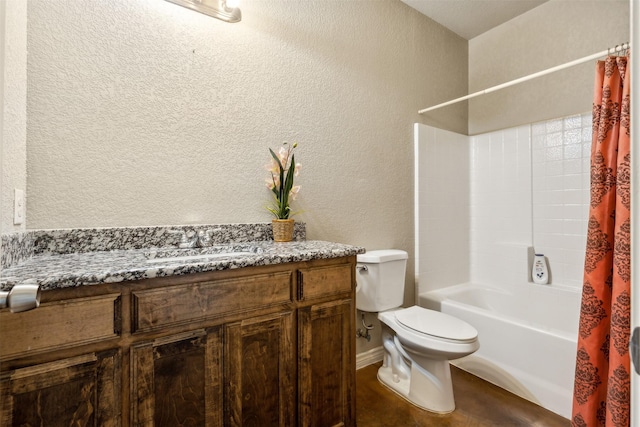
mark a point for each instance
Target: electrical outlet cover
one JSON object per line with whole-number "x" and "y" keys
{"x": 18, "y": 207}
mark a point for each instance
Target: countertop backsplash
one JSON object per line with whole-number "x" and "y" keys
{"x": 18, "y": 247}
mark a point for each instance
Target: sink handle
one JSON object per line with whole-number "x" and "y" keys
{"x": 188, "y": 239}
{"x": 205, "y": 237}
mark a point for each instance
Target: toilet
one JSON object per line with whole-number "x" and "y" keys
{"x": 418, "y": 343}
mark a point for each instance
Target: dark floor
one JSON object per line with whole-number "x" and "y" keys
{"x": 478, "y": 404}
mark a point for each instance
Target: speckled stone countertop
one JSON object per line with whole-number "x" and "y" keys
{"x": 63, "y": 270}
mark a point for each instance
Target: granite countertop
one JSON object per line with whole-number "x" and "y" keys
{"x": 55, "y": 271}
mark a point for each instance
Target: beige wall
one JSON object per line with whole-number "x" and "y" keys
{"x": 3, "y": 26}
{"x": 146, "y": 113}
{"x": 556, "y": 32}
{"x": 13, "y": 156}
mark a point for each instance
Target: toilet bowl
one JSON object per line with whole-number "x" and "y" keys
{"x": 418, "y": 343}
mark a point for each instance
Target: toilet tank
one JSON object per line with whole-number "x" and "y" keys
{"x": 380, "y": 279}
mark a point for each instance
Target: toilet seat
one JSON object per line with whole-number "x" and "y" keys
{"x": 435, "y": 324}
{"x": 421, "y": 344}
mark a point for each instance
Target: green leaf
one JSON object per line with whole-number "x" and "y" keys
{"x": 290, "y": 173}
{"x": 276, "y": 159}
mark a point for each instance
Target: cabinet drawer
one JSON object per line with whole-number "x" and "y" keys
{"x": 60, "y": 324}
{"x": 324, "y": 281}
{"x": 158, "y": 308}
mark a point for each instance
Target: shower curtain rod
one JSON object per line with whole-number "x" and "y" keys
{"x": 610, "y": 51}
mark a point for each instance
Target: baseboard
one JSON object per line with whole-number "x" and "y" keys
{"x": 369, "y": 357}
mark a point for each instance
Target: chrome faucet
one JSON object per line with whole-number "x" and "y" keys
{"x": 188, "y": 238}
{"x": 205, "y": 238}
{"x": 193, "y": 239}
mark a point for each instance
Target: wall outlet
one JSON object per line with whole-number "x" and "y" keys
{"x": 18, "y": 207}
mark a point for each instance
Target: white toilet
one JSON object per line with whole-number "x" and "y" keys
{"x": 418, "y": 343}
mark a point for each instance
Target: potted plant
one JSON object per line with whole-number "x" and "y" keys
{"x": 283, "y": 169}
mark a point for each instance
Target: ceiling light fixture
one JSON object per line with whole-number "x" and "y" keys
{"x": 226, "y": 10}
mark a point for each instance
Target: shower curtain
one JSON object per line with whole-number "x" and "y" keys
{"x": 602, "y": 380}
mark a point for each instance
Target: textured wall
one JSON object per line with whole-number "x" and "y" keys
{"x": 551, "y": 34}
{"x": 2, "y": 192}
{"x": 14, "y": 111}
{"x": 146, "y": 113}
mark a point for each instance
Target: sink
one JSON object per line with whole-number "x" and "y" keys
{"x": 201, "y": 254}
{"x": 202, "y": 257}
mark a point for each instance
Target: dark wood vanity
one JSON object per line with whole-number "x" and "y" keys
{"x": 260, "y": 346}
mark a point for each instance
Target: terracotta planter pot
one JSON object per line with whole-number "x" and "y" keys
{"x": 282, "y": 230}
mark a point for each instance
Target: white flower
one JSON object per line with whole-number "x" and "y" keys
{"x": 282, "y": 169}
{"x": 294, "y": 192}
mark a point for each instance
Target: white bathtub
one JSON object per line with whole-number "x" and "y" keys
{"x": 527, "y": 337}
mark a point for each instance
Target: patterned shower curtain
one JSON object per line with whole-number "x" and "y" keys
{"x": 602, "y": 382}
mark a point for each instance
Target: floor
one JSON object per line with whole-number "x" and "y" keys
{"x": 478, "y": 404}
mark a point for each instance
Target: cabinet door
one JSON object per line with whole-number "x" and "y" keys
{"x": 76, "y": 391}
{"x": 176, "y": 380}
{"x": 326, "y": 376}
{"x": 259, "y": 372}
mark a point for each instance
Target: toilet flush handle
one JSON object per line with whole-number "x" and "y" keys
{"x": 361, "y": 268}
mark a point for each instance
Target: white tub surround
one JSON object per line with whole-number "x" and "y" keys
{"x": 526, "y": 192}
{"x": 527, "y": 187}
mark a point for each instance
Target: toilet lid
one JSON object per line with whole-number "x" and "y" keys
{"x": 434, "y": 323}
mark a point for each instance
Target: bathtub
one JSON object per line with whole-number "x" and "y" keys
{"x": 528, "y": 337}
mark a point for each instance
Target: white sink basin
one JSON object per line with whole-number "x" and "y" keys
{"x": 200, "y": 257}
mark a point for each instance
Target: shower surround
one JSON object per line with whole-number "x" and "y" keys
{"x": 486, "y": 203}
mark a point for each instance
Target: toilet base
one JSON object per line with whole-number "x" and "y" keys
{"x": 432, "y": 391}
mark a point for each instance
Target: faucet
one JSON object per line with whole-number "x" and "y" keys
{"x": 188, "y": 238}
{"x": 193, "y": 239}
{"x": 204, "y": 238}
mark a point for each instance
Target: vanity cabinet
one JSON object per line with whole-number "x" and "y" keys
{"x": 200, "y": 379}
{"x": 257, "y": 346}
{"x": 75, "y": 391}
{"x": 327, "y": 383}
{"x": 175, "y": 380}
{"x": 260, "y": 372}
{"x": 326, "y": 347}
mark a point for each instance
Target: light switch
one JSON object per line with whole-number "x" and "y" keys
{"x": 18, "y": 207}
